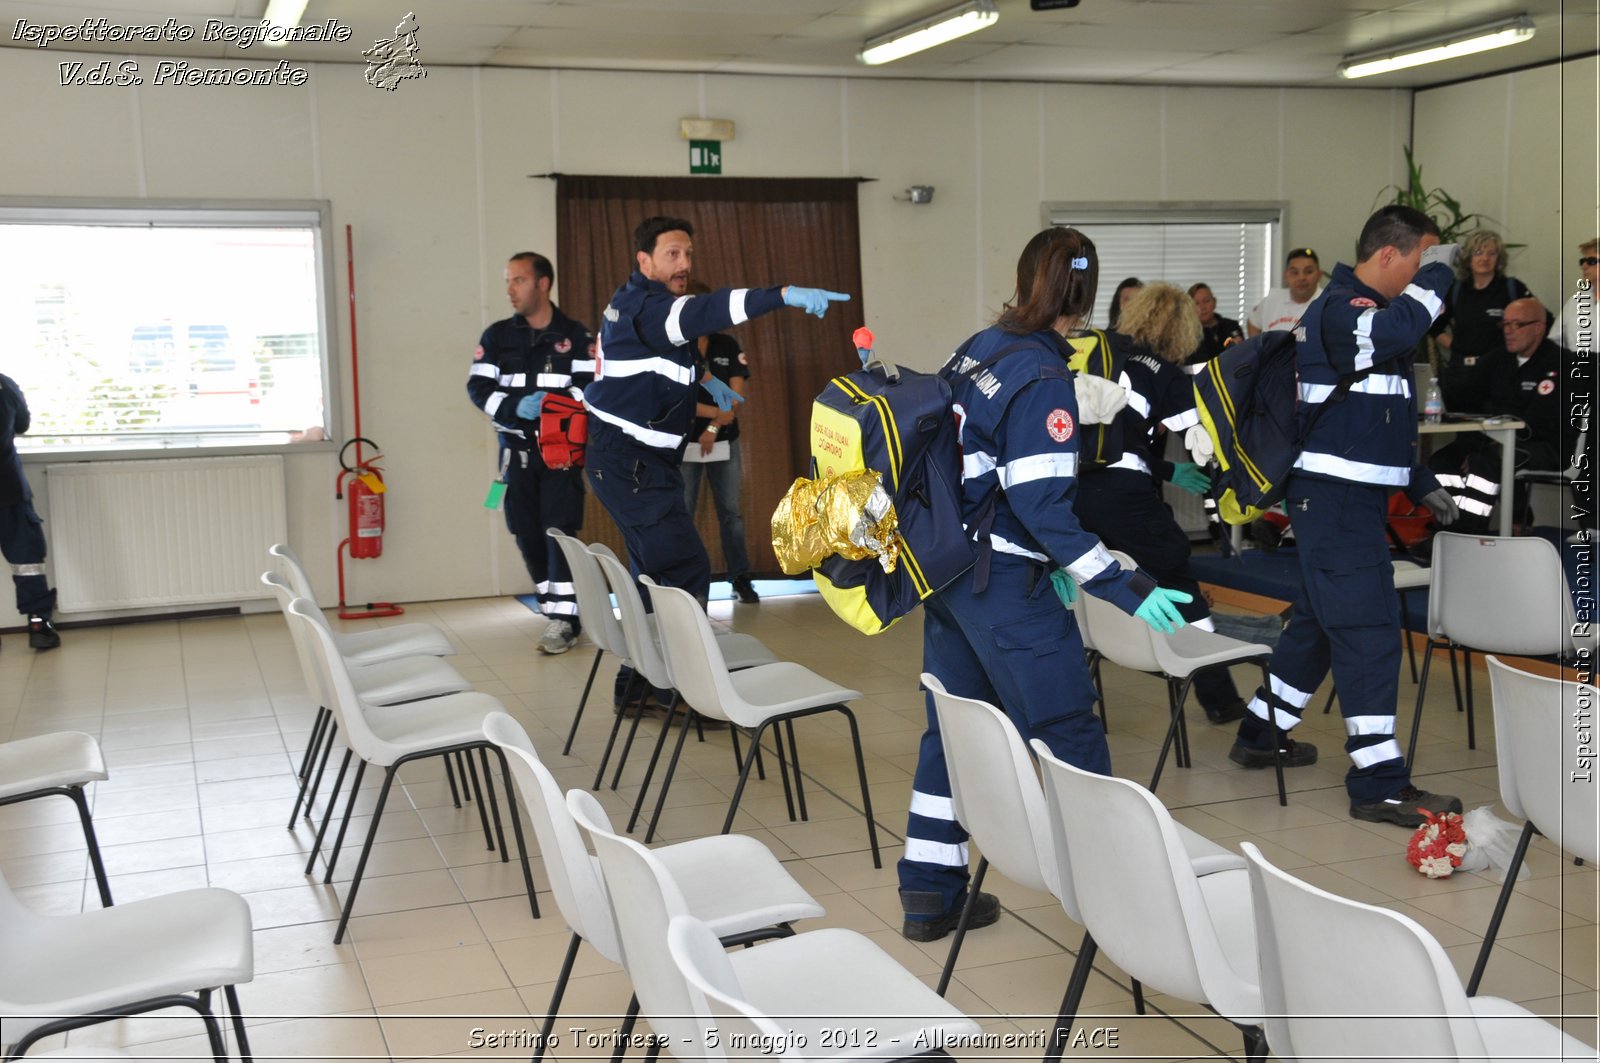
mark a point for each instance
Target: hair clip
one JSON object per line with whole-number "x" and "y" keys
{"x": 1080, "y": 263}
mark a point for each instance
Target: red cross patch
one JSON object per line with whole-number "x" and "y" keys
{"x": 563, "y": 345}
{"x": 1059, "y": 425}
{"x": 1547, "y": 386}
{"x": 477, "y": 355}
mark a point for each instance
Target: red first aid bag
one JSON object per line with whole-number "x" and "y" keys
{"x": 563, "y": 431}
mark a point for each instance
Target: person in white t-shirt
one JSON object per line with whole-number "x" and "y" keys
{"x": 1281, "y": 307}
{"x": 1566, "y": 332}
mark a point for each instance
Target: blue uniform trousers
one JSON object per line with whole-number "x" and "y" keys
{"x": 538, "y": 498}
{"x": 1346, "y": 616}
{"x": 1016, "y": 647}
{"x": 22, "y": 544}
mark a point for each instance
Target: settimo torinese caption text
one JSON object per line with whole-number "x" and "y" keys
{"x": 177, "y": 71}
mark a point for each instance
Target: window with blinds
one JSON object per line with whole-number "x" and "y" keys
{"x": 141, "y": 327}
{"x": 1232, "y": 249}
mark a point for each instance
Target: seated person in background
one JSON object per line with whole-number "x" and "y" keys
{"x": 1281, "y": 308}
{"x": 1121, "y": 502}
{"x": 1523, "y": 379}
{"x": 1470, "y": 326}
{"x": 1216, "y": 331}
{"x": 1126, "y": 290}
{"x": 1566, "y": 332}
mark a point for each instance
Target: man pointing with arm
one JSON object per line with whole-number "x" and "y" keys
{"x": 642, "y": 401}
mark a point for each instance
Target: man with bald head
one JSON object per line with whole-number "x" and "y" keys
{"x": 1528, "y": 379}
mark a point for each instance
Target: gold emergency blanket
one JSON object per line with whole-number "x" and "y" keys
{"x": 849, "y": 514}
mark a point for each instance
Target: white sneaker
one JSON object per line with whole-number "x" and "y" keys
{"x": 558, "y": 637}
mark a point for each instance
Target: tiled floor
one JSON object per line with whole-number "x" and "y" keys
{"x": 202, "y": 721}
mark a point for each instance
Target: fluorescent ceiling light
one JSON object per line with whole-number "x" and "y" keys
{"x": 1436, "y": 49}
{"x": 929, "y": 32}
{"x": 285, "y": 13}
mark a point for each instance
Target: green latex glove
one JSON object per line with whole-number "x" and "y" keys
{"x": 1160, "y": 610}
{"x": 1190, "y": 477}
{"x": 1065, "y": 586}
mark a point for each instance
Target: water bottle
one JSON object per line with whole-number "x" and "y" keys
{"x": 1433, "y": 405}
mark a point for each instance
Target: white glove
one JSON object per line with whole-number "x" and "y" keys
{"x": 1445, "y": 253}
{"x": 1198, "y": 440}
{"x": 1099, "y": 399}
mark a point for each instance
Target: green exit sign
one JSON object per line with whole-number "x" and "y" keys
{"x": 705, "y": 156}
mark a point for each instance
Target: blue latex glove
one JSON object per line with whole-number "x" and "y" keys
{"x": 1190, "y": 477}
{"x": 865, "y": 353}
{"x": 813, "y": 301}
{"x": 1160, "y": 610}
{"x": 1066, "y": 587}
{"x": 528, "y": 406}
{"x": 720, "y": 393}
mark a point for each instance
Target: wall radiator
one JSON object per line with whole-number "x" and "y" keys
{"x": 187, "y": 531}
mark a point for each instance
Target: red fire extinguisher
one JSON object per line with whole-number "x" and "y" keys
{"x": 363, "y": 483}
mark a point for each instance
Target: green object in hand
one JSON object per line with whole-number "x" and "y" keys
{"x": 1190, "y": 477}
{"x": 1160, "y": 609}
{"x": 1065, "y": 586}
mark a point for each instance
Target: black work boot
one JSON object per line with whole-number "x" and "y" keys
{"x": 42, "y": 633}
{"x": 984, "y": 912}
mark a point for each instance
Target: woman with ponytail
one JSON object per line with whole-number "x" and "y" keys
{"x": 1004, "y": 631}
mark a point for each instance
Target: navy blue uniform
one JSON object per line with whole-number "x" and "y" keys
{"x": 1345, "y": 615}
{"x": 641, "y": 407}
{"x": 21, "y": 531}
{"x": 1122, "y": 503}
{"x": 513, "y": 360}
{"x": 1012, "y": 644}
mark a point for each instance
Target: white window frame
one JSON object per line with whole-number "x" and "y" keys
{"x": 1086, "y": 215}
{"x": 234, "y": 214}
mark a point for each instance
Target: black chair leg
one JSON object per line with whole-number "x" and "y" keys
{"x": 1277, "y": 735}
{"x": 794, "y": 757}
{"x": 625, "y": 1030}
{"x": 366, "y": 850}
{"x": 329, "y": 734}
{"x": 744, "y": 776}
{"x": 516, "y": 826}
{"x": 627, "y": 745}
{"x": 1076, "y": 984}
{"x": 866, "y": 791}
{"x": 471, "y": 772}
{"x": 494, "y": 805}
{"x": 1422, "y": 691}
{"x": 1167, "y": 742}
{"x": 89, "y": 838}
{"x": 344, "y": 824}
{"x": 555, "y": 997}
{"x": 961, "y": 926}
{"x": 327, "y": 813}
{"x": 572, "y": 732}
{"x": 616, "y": 726}
{"x": 312, "y": 745}
{"x": 1472, "y": 729}
{"x": 655, "y": 758}
{"x": 1500, "y": 908}
{"x": 1138, "y": 997}
{"x": 666, "y": 780}
{"x": 450, "y": 777}
{"x": 462, "y": 764}
{"x": 1333, "y": 692}
{"x": 1455, "y": 677}
{"x": 783, "y": 769}
{"x": 231, "y": 993}
{"x": 1255, "y": 1043}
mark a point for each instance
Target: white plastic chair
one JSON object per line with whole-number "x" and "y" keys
{"x": 1177, "y": 658}
{"x": 755, "y": 698}
{"x": 391, "y": 737}
{"x": 594, "y": 607}
{"x": 1496, "y": 595}
{"x": 62, "y": 763}
{"x": 825, "y": 994}
{"x": 388, "y": 682}
{"x": 1533, "y": 726}
{"x": 809, "y": 978}
{"x": 63, "y": 972}
{"x": 734, "y": 882}
{"x": 1344, "y": 980}
{"x": 386, "y": 643}
{"x": 1092, "y": 657}
{"x": 641, "y": 631}
{"x": 1190, "y": 932}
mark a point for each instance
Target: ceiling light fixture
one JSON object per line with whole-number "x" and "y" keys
{"x": 929, "y": 32}
{"x": 285, "y": 14}
{"x": 1436, "y": 49}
